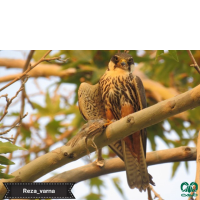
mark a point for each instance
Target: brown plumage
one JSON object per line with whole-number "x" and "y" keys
{"x": 117, "y": 95}
{"x": 90, "y": 129}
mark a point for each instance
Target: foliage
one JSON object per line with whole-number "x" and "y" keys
{"x": 7, "y": 147}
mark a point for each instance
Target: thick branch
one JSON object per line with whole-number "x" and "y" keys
{"x": 116, "y": 164}
{"x": 43, "y": 70}
{"x": 117, "y": 130}
{"x": 22, "y": 75}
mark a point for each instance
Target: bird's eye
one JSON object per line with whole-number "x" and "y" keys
{"x": 116, "y": 58}
{"x": 130, "y": 60}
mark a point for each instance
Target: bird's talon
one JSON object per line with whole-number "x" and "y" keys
{"x": 100, "y": 163}
{"x": 108, "y": 123}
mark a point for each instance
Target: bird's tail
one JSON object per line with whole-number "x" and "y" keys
{"x": 137, "y": 174}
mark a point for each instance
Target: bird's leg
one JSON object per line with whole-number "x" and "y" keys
{"x": 88, "y": 152}
{"x": 93, "y": 143}
{"x": 100, "y": 161}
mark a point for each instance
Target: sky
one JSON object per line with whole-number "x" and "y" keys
{"x": 167, "y": 187}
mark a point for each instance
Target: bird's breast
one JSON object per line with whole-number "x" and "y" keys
{"x": 113, "y": 84}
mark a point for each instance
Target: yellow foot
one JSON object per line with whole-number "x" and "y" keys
{"x": 99, "y": 162}
{"x": 108, "y": 122}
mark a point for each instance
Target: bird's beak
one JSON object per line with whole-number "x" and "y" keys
{"x": 123, "y": 62}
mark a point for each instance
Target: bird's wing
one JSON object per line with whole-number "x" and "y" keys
{"x": 140, "y": 91}
{"x": 90, "y": 102}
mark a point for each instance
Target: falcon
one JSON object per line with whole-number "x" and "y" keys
{"x": 117, "y": 95}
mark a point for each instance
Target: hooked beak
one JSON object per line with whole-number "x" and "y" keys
{"x": 123, "y": 62}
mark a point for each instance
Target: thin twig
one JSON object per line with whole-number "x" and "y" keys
{"x": 34, "y": 150}
{"x": 38, "y": 86}
{"x": 10, "y": 139}
{"x": 29, "y": 101}
{"x": 195, "y": 65}
{"x": 31, "y": 67}
{"x": 16, "y": 124}
{"x": 9, "y": 101}
{"x": 27, "y": 97}
{"x": 149, "y": 193}
{"x": 155, "y": 193}
{"x": 27, "y": 64}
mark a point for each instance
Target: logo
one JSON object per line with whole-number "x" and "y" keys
{"x": 190, "y": 190}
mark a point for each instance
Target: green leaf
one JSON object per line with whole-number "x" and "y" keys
{"x": 173, "y": 55}
{"x": 116, "y": 182}
{"x": 53, "y": 127}
{"x": 93, "y": 196}
{"x": 7, "y": 147}
{"x": 159, "y": 53}
{"x": 6, "y": 176}
{"x": 2, "y": 167}
{"x": 5, "y": 161}
{"x": 48, "y": 100}
{"x": 97, "y": 182}
{"x": 51, "y": 108}
{"x": 174, "y": 168}
{"x": 25, "y": 132}
{"x": 38, "y": 54}
{"x": 186, "y": 165}
{"x": 15, "y": 114}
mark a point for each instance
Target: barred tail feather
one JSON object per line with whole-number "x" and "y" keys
{"x": 137, "y": 175}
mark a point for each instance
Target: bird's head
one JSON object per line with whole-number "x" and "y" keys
{"x": 121, "y": 60}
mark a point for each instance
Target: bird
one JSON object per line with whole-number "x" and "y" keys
{"x": 118, "y": 94}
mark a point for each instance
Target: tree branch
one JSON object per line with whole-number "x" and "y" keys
{"x": 195, "y": 65}
{"x": 155, "y": 193}
{"x": 116, "y": 131}
{"x": 30, "y": 68}
{"x": 113, "y": 165}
